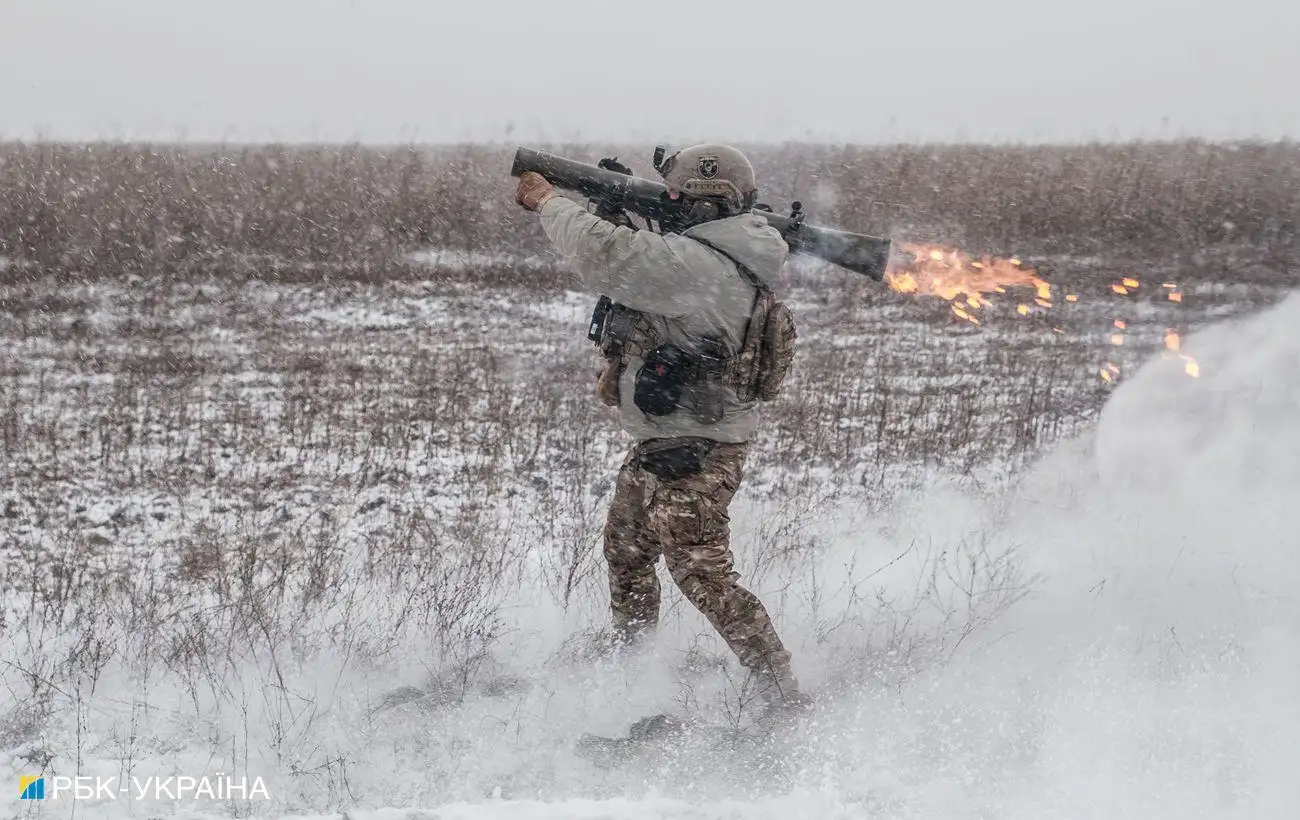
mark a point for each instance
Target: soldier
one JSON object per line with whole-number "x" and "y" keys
{"x": 681, "y": 369}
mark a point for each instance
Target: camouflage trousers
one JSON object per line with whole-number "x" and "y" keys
{"x": 686, "y": 521}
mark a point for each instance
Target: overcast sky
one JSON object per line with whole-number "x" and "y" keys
{"x": 433, "y": 71}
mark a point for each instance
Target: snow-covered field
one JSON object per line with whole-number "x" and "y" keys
{"x": 235, "y": 517}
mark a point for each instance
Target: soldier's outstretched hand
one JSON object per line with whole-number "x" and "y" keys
{"x": 533, "y": 191}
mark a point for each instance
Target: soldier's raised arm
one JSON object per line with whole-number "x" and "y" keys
{"x": 639, "y": 269}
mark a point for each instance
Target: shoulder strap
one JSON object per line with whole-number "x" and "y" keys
{"x": 742, "y": 368}
{"x": 761, "y": 288}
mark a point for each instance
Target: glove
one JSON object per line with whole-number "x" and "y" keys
{"x": 607, "y": 381}
{"x": 534, "y": 191}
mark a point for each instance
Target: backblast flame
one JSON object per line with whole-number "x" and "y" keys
{"x": 966, "y": 284}
{"x": 961, "y": 279}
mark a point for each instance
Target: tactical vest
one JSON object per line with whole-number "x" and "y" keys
{"x": 672, "y": 377}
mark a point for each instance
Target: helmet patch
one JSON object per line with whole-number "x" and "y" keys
{"x": 708, "y": 167}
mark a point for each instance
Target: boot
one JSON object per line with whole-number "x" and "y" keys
{"x": 779, "y": 692}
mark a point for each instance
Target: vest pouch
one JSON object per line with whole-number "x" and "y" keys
{"x": 674, "y": 458}
{"x": 707, "y": 396}
{"x": 660, "y": 380}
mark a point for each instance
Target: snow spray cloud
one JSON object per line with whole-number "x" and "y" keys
{"x": 1152, "y": 671}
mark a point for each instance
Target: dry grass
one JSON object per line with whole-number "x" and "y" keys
{"x": 103, "y": 209}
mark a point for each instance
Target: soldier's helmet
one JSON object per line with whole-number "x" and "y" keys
{"x": 712, "y": 171}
